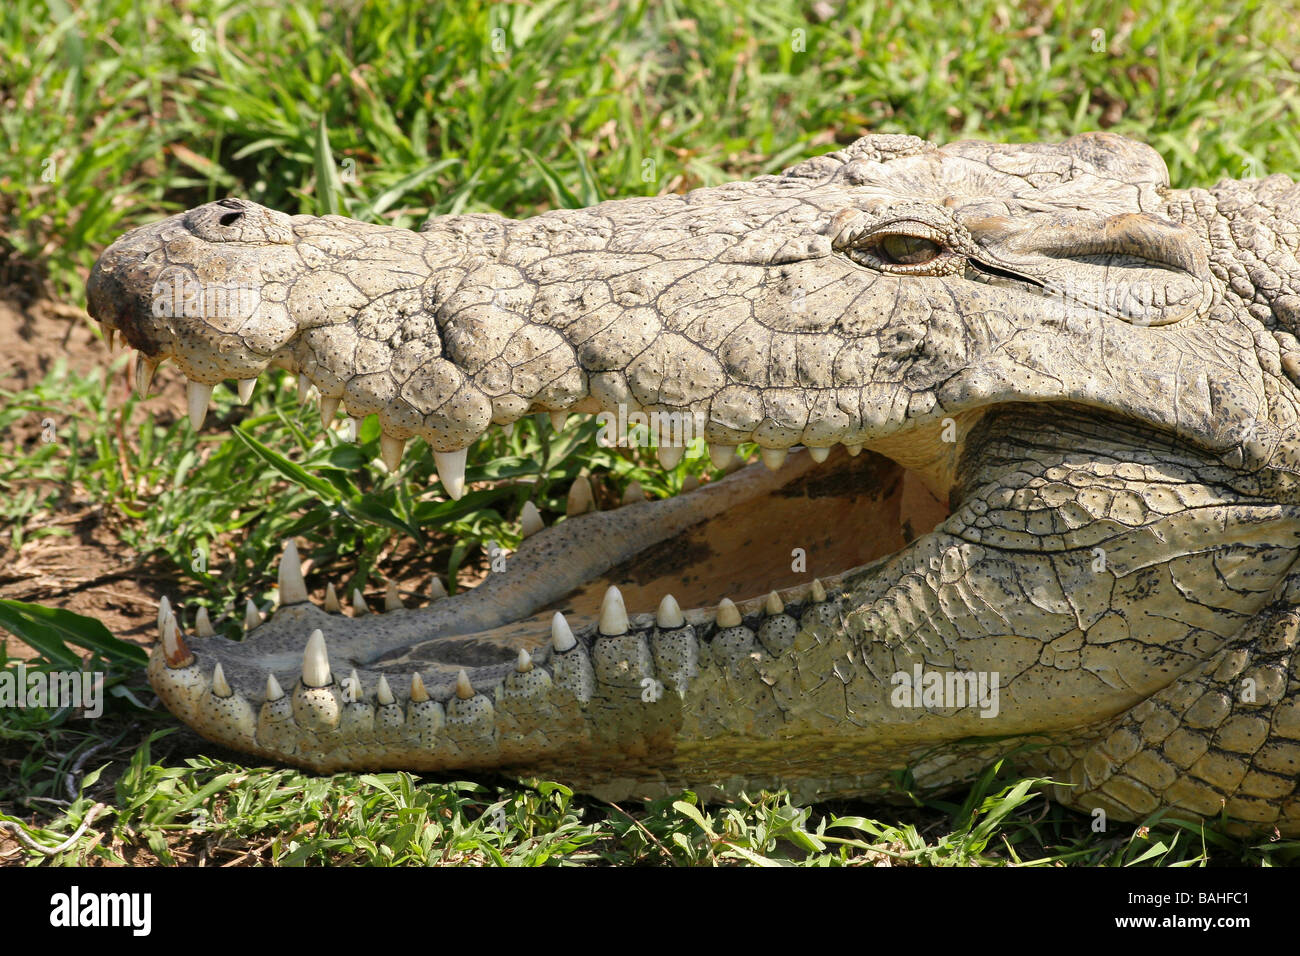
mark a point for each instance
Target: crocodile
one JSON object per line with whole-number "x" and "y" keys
{"x": 1026, "y": 479}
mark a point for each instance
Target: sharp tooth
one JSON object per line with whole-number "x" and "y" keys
{"x": 109, "y": 336}
{"x": 419, "y": 694}
{"x": 144, "y": 369}
{"x": 530, "y": 520}
{"x": 728, "y": 614}
{"x": 273, "y": 689}
{"x": 436, "y": 589}
{"x": 316, "y": 662}
{"x": 356, "y": 428}
{"x": 203, "y": 624}
{"x": 669, "y": 614}
{"x": 451, "y": 471}
{"x": 332, "y": 600}
{"x": 304, "y": 389}
{"x": 721, "y": 455}
{"x": 670, "y": 455}
{"x": 174, "y": 649}
{"x": 252, "y": 617}
{"x": 293, "y": 586}
{"x": 774, "y": 458}
{"x": 580, "y": 497}
{"x": 774, "y": 605}
{"x": 633, "y": 494}
{"x": 558, "y": 419}
{"x": 690, "y": 483}
{"x": 384, "y": 693}
{"x": 392, "y": 600}
{"x": 164, "y": 611}
{"x": 819, "y": 454}
{"x": 464, "y": 689}
{"x": 390, "y": 450}
{"x": 853, "y": 450}
{"x": 219, "y": 686}
{"x": 359, "y": 605}
{"x": 245, "y": 389}
{"x": 329, "y": 407}
{"x": 523, "y": 663}
{"x": 561, "y": 634}
{"x": 198, "y": 397}
{"x": 613, "y": 614}
{"x": 817, "y": 592}
{"x": 508, "y": 428}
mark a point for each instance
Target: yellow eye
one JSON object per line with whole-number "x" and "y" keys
{"x": 908, "y": 250}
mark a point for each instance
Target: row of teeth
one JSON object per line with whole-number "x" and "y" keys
{"x": 293, "y": 590}
{"x": 671, "y": 649}
{"x": 450, "y": 465}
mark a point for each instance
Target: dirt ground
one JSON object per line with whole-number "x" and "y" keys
{"x": 88, "y": 570}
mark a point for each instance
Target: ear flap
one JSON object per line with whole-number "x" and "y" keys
{"x": 872, "y": 148}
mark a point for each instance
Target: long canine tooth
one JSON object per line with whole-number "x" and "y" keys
{"x": 669, "y": 615}
{"x": 451, "y": 471}
{"x": 464, "y": 689}
{"x": 530, "y": 520}
{"x": 853, "y": 450}
{"x": 721, "y": 455}
{"x": 273, "y": 689}
{"x": 437, "y": 591}
{"x": 613, "y": 614}
{"x": 144, "y": 369}
{"x": 558, "y": 419}
{"x": 508, "y": 428}
{"x": 359, "y": 605}
{"x": 252, "y": 617}
{"x": 355, "y": 425}
{"x": 219, "y": 685}
{"x": 245, "y": 389}
{"x": 562, "y": 638}
{"x": 392, "y": 600}
{"x": 316, "y": 662}
{"x": 774, "y": 458}
{"x": 332, "y": 600}
{"x": 670, "y": 455}
{"x": 164, "y": 611}
{"x": 384, "y": 694}
{"x": 728, "y": 614}
{"x": 523, "y": 663}
{"x": 174, "y": 650}
{"x": 198, "y": 397}
{"x": 633, "y": 493}
{"x": 293, "y": 586}
{"x": 329, "y": 407}
{"x": 581, "y": 499}
{"x": 818, "y": 591}
{"x": 109, "y": 336}
{"x": 819, "y": 455}
{"x": 203, "y": 624}
{"x": 390, "y": 450}
{"x": 773, "y": 604}
{"x": 304, "y": 389}
{"x": 419, "y": 693}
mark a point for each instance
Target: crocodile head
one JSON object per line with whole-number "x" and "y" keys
{"x": 1072, "y": 528}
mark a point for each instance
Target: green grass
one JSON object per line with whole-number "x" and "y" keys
{"x": 390, "y": 112}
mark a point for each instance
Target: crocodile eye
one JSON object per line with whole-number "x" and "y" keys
{"x": 903, "y": 250}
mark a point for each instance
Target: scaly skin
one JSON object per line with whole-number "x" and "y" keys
{"x": 1093, "y": 375}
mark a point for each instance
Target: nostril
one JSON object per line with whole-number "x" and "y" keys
{"x": 230, "y": 218}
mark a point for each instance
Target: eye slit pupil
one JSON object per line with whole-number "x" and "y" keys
{"x": 908, "y": 250}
